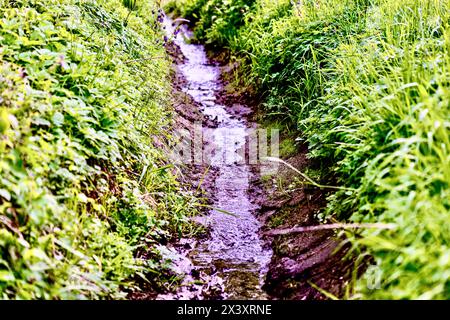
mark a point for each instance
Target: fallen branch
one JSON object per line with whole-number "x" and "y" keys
{"x": 389, "y": 226}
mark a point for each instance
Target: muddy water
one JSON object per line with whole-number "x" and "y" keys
{"x": 234, "y": 257}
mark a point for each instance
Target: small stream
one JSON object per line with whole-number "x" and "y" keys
{"x": 233, "y": 253}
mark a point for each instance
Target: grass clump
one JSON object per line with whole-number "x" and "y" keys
{"x": 84, "y": 193}
{"x": 367, "y": 84}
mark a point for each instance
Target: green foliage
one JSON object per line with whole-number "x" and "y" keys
{"x": 216, "y": 21}
{"x": 368, "y": 84}
{"x": 81, "y": 185}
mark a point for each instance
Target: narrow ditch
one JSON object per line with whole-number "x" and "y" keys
{"x": 233, "y": 260}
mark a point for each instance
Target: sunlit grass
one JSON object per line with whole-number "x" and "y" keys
{"x": 367, "y": 83}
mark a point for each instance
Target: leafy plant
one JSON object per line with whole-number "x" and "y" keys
{"x": 79, "y": 109}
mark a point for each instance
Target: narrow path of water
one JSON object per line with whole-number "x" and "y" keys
{"x": 234, "y": 249}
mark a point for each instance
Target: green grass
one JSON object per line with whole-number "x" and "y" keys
{"x": 215, "y": 22}
{"x": 85, "y": 194}
{"x": 367, "y": 83}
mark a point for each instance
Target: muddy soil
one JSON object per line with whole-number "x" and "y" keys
{"x": 302, "y": 262}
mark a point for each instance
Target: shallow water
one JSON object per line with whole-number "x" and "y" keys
{"x": 234, "y": 253}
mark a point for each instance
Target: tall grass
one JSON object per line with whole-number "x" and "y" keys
{"x": 367, "y": 84}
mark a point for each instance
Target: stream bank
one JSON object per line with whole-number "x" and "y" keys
{"x": 234, "y": 260}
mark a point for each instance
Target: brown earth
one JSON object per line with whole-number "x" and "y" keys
{"x": 303, "y": 258}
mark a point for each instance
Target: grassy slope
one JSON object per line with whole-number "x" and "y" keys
{"x": 368, "y": 84}
{"x": 83, "y": 98}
